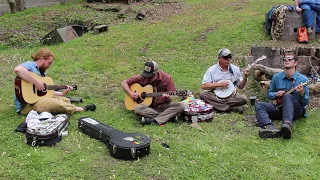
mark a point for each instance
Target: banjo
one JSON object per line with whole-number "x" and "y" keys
{"x": 231, "y": 89}
{"x": 225, "y": 92}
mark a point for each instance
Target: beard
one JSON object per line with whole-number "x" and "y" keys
{"x": 42, "y": 70}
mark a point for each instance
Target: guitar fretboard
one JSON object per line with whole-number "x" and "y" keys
{"x": 53, "y": 87}
{"x": 155, "y": 94}
{"x": 293, "y": 89}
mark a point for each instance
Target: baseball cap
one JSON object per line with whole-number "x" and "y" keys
{"x": 150, "y": 68}
{"x": 224, "y": 52}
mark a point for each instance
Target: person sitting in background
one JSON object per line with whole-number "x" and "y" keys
{"x": 162, "y": 109}
{"x": 291, "y": 107}
{"x": 42, "y": 60}
{"x": 219, "y": 76}
{"x": 310, "y": 8}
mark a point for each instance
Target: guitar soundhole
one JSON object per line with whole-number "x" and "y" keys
{"x": 139, "y": 100}
{"x": 143, "y": 95}
{"x": 42, "y": 93}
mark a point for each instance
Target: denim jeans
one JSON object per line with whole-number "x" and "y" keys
{"x": 310, "y": 9}
{"x": 291, "y": 110}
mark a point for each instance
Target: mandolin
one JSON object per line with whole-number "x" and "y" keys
{"x": 278, "y": 101}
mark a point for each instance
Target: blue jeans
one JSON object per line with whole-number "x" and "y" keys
{"x": 310, "y": 9}
{"x": 291, "y": 110}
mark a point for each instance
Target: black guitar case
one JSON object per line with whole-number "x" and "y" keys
{"x": 49, "y": 132}
{"x": 126, "y": 146}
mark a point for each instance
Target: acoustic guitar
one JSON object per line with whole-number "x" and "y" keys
{"x": 27, "y": 92}
{"x": 146, "y": 95}
{"x": 278, "y": 101}
{"x": 230, "y": 90}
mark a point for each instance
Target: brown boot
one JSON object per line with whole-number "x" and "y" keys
{"x": 286, "y": 130}
{"x": 269, "y": 131}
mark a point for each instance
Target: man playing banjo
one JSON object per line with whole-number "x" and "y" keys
{"x": 220, "y": 82}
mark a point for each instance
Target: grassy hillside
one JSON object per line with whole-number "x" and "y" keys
{"x": 184, "y": 45}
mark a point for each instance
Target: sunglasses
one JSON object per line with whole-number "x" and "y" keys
{"x": 288, "y": 58}
{"x": 227, "y": 57}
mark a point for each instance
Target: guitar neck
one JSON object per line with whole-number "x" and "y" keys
{"x": 54, "y": 87}
{"x": 156, "y": 94}
{"x": 293, "y": 89}
{"x": 290, "y": 91}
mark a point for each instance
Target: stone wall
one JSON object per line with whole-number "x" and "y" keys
{"x": 309, "y": 58}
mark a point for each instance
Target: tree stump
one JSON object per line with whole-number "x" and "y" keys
{"x": 124, "y": 11}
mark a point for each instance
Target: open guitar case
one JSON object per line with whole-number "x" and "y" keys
{"x": 49, "y": 132}
{"x": 121, "y": 145}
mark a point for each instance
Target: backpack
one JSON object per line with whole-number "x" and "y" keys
{"x": 303, "y": 35}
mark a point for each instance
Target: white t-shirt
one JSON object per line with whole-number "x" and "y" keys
{"x": 215, "y": 74}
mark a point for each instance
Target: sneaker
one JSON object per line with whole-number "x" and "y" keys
{"x": 286, "y": 130}
{"x": 269, "y": 131}
{"x": 90, "y": 107}
{"x": 309, "y": 29}
{"x": 147, "y": 120}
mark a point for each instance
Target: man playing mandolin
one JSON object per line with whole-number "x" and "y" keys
{"x": 287, "y": 107}
{"x": 30, "y": 73}
{"x": 161, "y": 108}
{"x": 219, "y": 84}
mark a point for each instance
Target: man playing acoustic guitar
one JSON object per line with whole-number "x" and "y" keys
{"x": 219, "y": 84}
{"x": 30, "y": 73}
{"x": 161, "y": 108}
{"x": 292, "y": 105}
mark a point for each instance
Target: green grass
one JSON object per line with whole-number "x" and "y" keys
{"x": 184, "y": 45}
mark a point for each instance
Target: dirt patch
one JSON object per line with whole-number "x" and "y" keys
{"x": 162, "y": 11}
{"x": 250, "y": 121}
{"x": 203, "y": 35}
{"x": 314, "y": 102}
{"x": 237, "y": 5}
{"x": 42, "y": 24}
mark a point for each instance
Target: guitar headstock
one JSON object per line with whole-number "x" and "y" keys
{"x": 189, "y": 93}
{"x": 263, "y": 57}
{"x": 184, "y": 93}
{"x": 311, "y": 81}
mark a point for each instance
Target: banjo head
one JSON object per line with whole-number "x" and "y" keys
{"x": 225, "y": 92}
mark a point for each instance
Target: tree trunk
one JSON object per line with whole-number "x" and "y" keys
{"x": 259, "y": 76}
{"x": 12, "y": 5}
{"x": 314, "y": 88}
{"x": 124, "y": 11}
{"x": 21, "y": 5}
{"x": 266, "y": 70}
{"x": 62, "y": 2}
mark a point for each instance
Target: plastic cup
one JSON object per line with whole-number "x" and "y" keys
{"x": 253, "y": 100}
